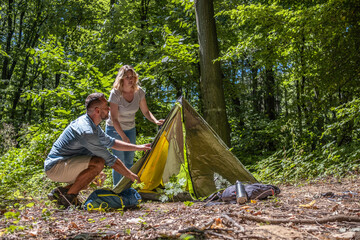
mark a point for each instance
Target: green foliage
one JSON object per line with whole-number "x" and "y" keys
{"x": 293, "y": 165}
{"x": 12, "y": 215}
{"x": 141, "y": 139}
{"x": 14, "y": 228}
{"x": 46, "y": 213}
{"x": 220, "y": 182}
{"x": 172, "y": 189}
{"x": 7, "y": 137}
{"x": 137, "y": 186}
{"x": 189, "y": 204}
{"x": 347, "y": 124}
{"x": 334, "y": 155}
{"x": 187, "y": 236}
{"x": 22, "y": 168}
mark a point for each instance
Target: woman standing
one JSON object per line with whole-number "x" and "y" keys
{"x": 125, "y": 99}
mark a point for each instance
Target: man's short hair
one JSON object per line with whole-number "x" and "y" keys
{"x": 93, "y": 99}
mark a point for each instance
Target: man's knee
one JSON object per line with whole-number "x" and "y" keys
{"x": 97, "y": 162}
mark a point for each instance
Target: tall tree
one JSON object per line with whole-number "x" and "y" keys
{"x": 211, "y": 76}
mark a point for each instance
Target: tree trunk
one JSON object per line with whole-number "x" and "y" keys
{"x": 42, "y": 113}
{"x": 10, "y": 32}
{"x": 298, "y": 105}
{"x": 211, "y": 77}
{"x": 57, "y": 79}
{"x": 19, "y": 90}
{"x": 270, "y": 94}
{"x": 254, "y": 94}
{"x": 144, "y": 8}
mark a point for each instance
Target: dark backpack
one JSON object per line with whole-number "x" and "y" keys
{"x": 256, "y": 191}
{"x": 103, "y": 199}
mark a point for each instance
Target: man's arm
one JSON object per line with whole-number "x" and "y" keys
{"x": 123, "y": 170}
{"x": 124, "y": 146}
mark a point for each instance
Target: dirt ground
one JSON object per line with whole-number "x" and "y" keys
{"x": 323, "y": 209}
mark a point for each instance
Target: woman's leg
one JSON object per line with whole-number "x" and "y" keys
{"x": 110, "y": 130}
{"x": 129, "y": 155}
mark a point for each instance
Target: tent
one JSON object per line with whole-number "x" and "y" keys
{"x": 187, "y": 147}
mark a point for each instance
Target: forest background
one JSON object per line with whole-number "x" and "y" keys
{"x": 289, "y": 78}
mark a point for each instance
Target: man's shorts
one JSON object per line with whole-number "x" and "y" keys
{"x": 68, "y": 170}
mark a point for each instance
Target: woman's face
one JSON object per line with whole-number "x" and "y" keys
{"x": 128, "y": 79}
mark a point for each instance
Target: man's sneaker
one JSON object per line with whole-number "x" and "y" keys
{"x": 69, "y": 199}
{"x": 55, "y": 194}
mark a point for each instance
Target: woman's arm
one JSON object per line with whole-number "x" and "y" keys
{"x": 145, "y": 110}
{"x": 114, "y": 111}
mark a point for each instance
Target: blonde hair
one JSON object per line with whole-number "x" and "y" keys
{"x": 119, "y": 80}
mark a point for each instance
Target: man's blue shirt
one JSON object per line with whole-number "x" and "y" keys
{"x": 81, "y": 137}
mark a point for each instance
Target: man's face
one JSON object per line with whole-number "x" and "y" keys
{"x": 104, "y": 109}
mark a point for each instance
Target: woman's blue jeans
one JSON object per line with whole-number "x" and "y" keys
{"x": 127, "y": 157}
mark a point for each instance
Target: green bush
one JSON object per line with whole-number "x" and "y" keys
{"x": 22, "y": 168}
{"x": 295, "y": 164}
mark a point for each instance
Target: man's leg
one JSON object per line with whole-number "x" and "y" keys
{"x": 78, "y": 172}
{"x": 96, "y": 165}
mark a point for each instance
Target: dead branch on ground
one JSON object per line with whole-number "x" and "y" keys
{"x": 338, "y": 218}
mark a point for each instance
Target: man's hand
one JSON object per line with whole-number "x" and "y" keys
{"x": 144, "y": 147}
{"x": 134, "y": 177}
{"x": 123, "y": 170}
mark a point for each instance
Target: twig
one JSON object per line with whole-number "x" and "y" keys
{"x": 191, "y": 229}
{"x": 242, "y": 229}
{"x": 208, "y": 224}
{"x": 220, "y": 235}
{"x": 251, "y": 236}
{"x": 338, "y": 218}
{"x": 222, "y": 229}
{"x": 215, "y": 195}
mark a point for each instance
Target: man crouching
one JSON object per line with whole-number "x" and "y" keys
{"x": 80, "y": 153}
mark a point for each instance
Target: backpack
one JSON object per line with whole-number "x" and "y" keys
{"x": 254, "y": 191}
{"x": 103, "y": 199}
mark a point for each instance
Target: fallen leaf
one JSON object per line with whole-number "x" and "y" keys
{"x": 335, "y": 207}
{"x": 344, "y": 236}
{"x": 134, "y": 220}
{"x": 309, "y": 205}
{"x": 33, "y": 233}
{"x": 257, "y": 213}
{"x": 330, "y": 226}
{"x": 72, "y": 225}
{"x": 217, "y": 224}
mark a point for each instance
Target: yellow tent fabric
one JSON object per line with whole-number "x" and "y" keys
{"x": 151, "y": 172}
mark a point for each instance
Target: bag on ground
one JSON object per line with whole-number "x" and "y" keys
{"x": 103, "y": 199}
{"x": 256, "y": 191}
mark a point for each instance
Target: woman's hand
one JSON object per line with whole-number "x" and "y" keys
{"x": 125, "y": 138}
{"x": 160, "y": 122}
